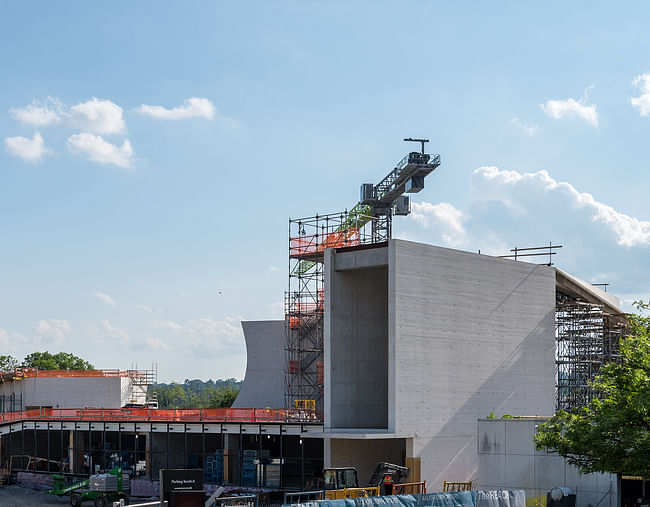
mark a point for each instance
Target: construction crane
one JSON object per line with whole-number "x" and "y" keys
{"x": 378, "y": 203}
{"x": 387, "y": 198}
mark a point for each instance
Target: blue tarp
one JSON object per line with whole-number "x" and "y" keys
{"x": 501, "y": 498}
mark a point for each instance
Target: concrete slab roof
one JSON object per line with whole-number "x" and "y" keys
{"x": 575, "y": 287}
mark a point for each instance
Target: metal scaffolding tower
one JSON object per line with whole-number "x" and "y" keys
{"x": 308, "y": 239}
{"x": 587, "y": 337}
{"x": 370, "y": 221}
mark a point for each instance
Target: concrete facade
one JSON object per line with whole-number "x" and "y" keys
{"x": 71, "y": 392}
{"x": 508, "y": 460}
{"x": 466, "y": 335}
{"x": 264, "y": 382}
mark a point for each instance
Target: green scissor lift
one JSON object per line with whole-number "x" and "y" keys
{"x": 79, "y": 491}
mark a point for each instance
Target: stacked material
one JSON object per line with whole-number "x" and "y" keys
{"x": 103, "y": 482}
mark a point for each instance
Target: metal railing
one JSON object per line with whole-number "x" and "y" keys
{"x": 250, "y": 415}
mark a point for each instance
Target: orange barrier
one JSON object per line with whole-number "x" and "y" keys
{"x": 317, "y": 243}
{"x": 35, "y": 372}
{"x": 250, "y": 415}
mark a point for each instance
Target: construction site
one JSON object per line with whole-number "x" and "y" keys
{"x": 390, "y": 351}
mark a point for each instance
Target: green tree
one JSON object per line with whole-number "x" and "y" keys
{"x": 612, "y": 434}
{"x": 60, "y": 361}
{"x": 8, "y": 363}
{"x": 224, "y": 396}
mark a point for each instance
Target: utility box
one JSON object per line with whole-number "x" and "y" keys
{"x": 367, "y": 193}
{"x": 414, "y": 184}
{"x": 103, "y": 482}
{"x": 402, "y": 205}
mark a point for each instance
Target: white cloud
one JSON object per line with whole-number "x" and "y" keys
{"x": 568, "y": 108}
{"x": 642, "y": 82}
{"x": 194, "y": 107}
{"x": 11, "y": 343}
{"x": 116, "y": 334}
{"x": 28, "y": 149}
{"x": 166, "y": 324}
{"x": 99, "y": 116}
{"x": 39, "y": 114}
{"x": 443, "y": 216}
{"x": 101, "y": 151}
{"x": 148, "y": 309}
{"x": 149, "y": 343}
{"x": 274, "y": 269}
{"x": 105, "y": 298}
{"x": 52, "y": 330}
{"x": 628, "y": 231}
{"x": 529, "y": 129}
{"x": 206, "y": 337}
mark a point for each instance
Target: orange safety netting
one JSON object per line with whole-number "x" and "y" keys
{"x": 167, "y": 415}
{"x": 315, "y": 243}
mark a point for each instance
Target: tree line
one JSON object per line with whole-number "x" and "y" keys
{"x": 45, "y": 361}
{"x": 197, "y": 393}
{"x": 190, "y": 394}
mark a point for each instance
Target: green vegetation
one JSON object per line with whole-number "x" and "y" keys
{"x": 46, "y": 361}
{"x": 612, "y": 434}
{"x": 197, "y": 394}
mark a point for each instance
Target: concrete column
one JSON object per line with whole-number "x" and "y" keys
{"x": 327, "y": 453}
{"x": 147, "y": 454}
{"x": 71, "y": 451}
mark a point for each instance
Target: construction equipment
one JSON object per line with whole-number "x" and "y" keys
{"x": 342, "y": 482}
{"x": 102, "y": 489}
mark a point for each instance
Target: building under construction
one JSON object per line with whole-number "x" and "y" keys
{"x": 390, "y": 350}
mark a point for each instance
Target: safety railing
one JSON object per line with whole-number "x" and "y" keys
{"x": 317, "y": 243}
{"x": 410, "y": 488}
{"x": 339, "y": 494}
{"x": 21, "y": 373}
{"x": 244, "y": 415}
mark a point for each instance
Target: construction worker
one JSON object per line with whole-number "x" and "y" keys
{"x": 388, "y": 484}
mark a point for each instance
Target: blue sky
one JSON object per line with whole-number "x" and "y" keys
{"x": 152, "y": 153}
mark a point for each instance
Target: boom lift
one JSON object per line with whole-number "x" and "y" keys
{"x": 95, "y": 488}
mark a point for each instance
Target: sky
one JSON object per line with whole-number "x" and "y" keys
{"x": 152, "y": 153}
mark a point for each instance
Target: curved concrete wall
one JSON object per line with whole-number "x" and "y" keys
{"x": 264, "y": 382}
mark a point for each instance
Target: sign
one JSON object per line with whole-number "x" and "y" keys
{"x": 180, "y": 479}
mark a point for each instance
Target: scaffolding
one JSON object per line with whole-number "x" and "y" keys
{"x": 587, "y": 338}
{"x": 304, "y": 301}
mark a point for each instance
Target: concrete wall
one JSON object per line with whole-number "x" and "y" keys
{"x": 432, "y": 339}
{"x": 356, "y": 339}
{"x": 364, "y": 454}
{"x": 264, "y": 382}
{"x": 469, "y": 334}
{"x": 72, "y": 392}
{"x": 508, "y": 459}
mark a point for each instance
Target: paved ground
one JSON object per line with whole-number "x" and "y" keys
{"x": 16, "y": 496}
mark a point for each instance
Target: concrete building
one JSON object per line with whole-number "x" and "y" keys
{"x": 419, "y": 343}
{"x": 33, "y": 389}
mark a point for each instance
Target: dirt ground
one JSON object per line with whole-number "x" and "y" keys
{"x": 17, "y": 496}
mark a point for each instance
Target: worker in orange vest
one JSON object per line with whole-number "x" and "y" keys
{"x": 388, "y": 484}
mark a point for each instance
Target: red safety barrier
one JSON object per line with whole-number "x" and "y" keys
{"x": 237, "y": 415}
